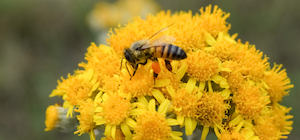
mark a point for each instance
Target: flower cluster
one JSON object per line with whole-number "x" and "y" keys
{"x": 223, "y": 84}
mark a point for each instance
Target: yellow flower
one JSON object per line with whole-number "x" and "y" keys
{"x": 281, "y": 119}
{"x": 87, "y": 125}
{"x": 223, "y": 84}
{"x": 235, "y": 128}
{"x": 202, "y": 66}
{"x": 76, "y": 88}
{"x": 224, "y": 47}
{"x": 113, "y": 110}
{"x": 266, "y": 129}
{"x": 153, "y": 125}
{"x": 104, "y": 63}
{"x": 214, "y": 22}
{"x": 250, "y": 100}
{"x": 278, "y": 83}
{"x": 211, "y": 109}
{"x": 185, "y": 107}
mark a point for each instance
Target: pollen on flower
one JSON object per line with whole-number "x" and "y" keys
{"x": 140, "y": 84}
{"x": 202, "y": 66}
{"x": 115, "y": 109}
{"x": 51, "y": 117}
{"x": 86, "y": 110}
{"x": 211, "y": 109}
{"x": 152, "y": 126}
{"x": 185, "y": 104}
{"x": 249, "y": 100}
{"x": 278, "y": 83}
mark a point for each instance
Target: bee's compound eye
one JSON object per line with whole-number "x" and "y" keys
{"x": 128, "y": 57}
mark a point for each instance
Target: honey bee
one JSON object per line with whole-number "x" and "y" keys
{"x": 142, "y": 50}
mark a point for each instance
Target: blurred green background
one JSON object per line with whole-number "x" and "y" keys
{"x": 42, "y": 40}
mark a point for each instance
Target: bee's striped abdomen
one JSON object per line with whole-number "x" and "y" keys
{"x": 169, "y": 52}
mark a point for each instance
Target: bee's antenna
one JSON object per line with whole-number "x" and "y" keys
{"x": 161, "y": 30}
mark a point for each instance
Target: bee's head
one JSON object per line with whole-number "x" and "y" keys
{"x": 129, "y": 56}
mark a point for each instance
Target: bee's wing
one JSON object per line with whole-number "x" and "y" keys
{"x": 164, "y": 40}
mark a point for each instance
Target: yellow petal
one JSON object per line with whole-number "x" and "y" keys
{"x": 162, "y": 82}
{"x": 151, "y": 106}
{"x": 162, "y": 109}
{"x": 172, "y": 122}
{"x": 158, "y": 95}
{"x": 204, "y": 133}
{"x": 180, "y": 119}
{"x": 130, "y": 122}
{"x": 190, "y": 85}
{"x": 113, "y": 131}
{"x": 126, "y": 131}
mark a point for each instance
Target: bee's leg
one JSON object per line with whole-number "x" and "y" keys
{"x": 154, "y": 74}
{"x": 144, "y": 62}
{"x": 168, "y": 65}
{"x": 128, "y": 70}
{"x": 154, "y": 59}
{"x": 135, "y": 69}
